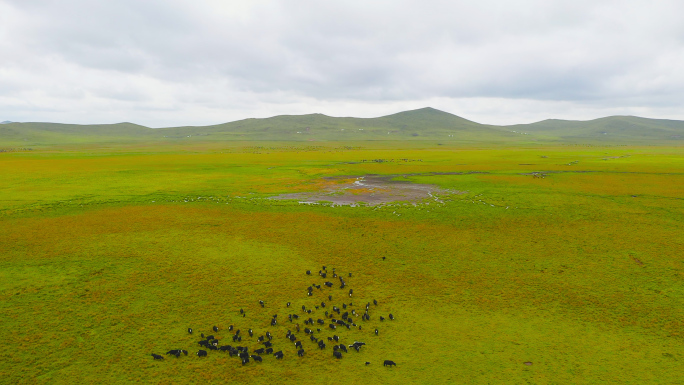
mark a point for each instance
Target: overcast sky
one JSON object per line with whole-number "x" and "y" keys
{"x": 171, "y": 62}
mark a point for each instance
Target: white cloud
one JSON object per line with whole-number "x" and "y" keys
{"x": 175, "y": 62}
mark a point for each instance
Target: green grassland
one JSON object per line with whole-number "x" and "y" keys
{"x": 109, "y": 252}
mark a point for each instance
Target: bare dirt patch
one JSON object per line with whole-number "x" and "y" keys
{"x": 369, "y": 189}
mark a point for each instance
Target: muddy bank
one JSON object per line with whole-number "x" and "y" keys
{"x": 371, "y": 190}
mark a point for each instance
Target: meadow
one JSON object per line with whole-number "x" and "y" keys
{"x": 565, "y": 257}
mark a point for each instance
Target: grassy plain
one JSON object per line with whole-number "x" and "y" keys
{"x": 110, "y": 252}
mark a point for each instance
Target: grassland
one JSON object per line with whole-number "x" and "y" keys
{"x": 110, "y": 252}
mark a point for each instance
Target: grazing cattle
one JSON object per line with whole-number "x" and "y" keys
{"x": 337, "y": 355}
{"x": 295, "y": 316}
{"x": 318, "y": 287}
{"x": 297, "y": 327}
{"x": 251, "y": 332}
{"x": 391, "y": 317}
{"x": 367, "y": 363}
{"x": 269, "y": 336}
{"x": 157, "y": 356}
{"x": 279, "y": 355}
{"x": 303, "y": 308}
{"x": 322, "y": 304}
{"x": 260, "y": 339}
{"x": 289, "y": 317}
{"x": 269, "y": 351}
{"x": 342, "y": 347}
{"x": 312, "y": 338}
{"x": 324, "y": 275}
{"x": 323, "y": 267}
{"x": 329, "y": 338}
{"x": 245, "y": 360}
{"x": 256, "y": 358}
{"x": 274, "y": 322}
{"x": 382, "y": 318}
{"x": 288, "y": 304}
{"x": 376, "y": 332}
{"x": 204, "y": 343}
{"x": 336, "y": 338}
{"x": 389, "y": 363}
{"x": 259, "y": 351}
{"x": 308, "y": 272}
{"x": 190, "y": 330}
{"x": 321, "y": 345}
{"x": 175, "y": 352}
{"x": 330, "y": 298}
{"x": 321, "y": 322}
{"x": 212, "y": 347}
{"x": 225, "y": 348}
{"x": 328, "y": 284}
{"x": 293, "y": 338}
{"x": 383, "y": 258}
{"x": 268, "y": 344}
{"x": 335, "y": 347}
{"x": 356, "y": 345}
{"x": 201, "y": 353}
{"x": 298, "y": 344}
{"x": 230, "y": 328}
{"x": 333, "y": 327}
{"x": 235, "y": 337}
{"x": 307, "y": 331}
{"x": 202, "y": 334}
{"x": 334, "y": 275}
{"x": 241, "y": 311}
{"x": 211, "y": 337}
{"x": 261, "y": 303}
{"x": 375, "y": 302}
{"x": 215, "y": 329}
{"x": 350, "y": 274}
{"x": 351, "y": 292}
{"x": 300, "y": 352}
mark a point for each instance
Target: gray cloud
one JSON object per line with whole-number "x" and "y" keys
{"x": 211, "y": 61}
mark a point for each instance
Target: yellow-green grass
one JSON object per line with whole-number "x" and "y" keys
{"x": 109, "y": 254}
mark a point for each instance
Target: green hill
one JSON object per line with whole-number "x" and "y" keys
{"x": 425, "y": 123}
{"x": 608, "y": 129}
{"x": 421, "y": 124}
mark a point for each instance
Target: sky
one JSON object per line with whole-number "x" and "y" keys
{"x": 166, "y": 63}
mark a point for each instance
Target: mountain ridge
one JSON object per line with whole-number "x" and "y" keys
{"x": 419, "y": 124}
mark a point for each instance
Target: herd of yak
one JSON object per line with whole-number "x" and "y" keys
{"x": 334, "y": 317}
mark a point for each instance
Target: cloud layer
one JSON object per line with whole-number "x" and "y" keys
{"x": 173, "y": 62}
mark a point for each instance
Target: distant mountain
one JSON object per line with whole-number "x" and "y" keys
{"x": 610, "y": 129}
{"x": 421, "y": 124}
{"x": 5, "y": 122}
{"x": 425, "y": 123}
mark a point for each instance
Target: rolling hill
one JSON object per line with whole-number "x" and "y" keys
{"x": 421, "y": 124}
